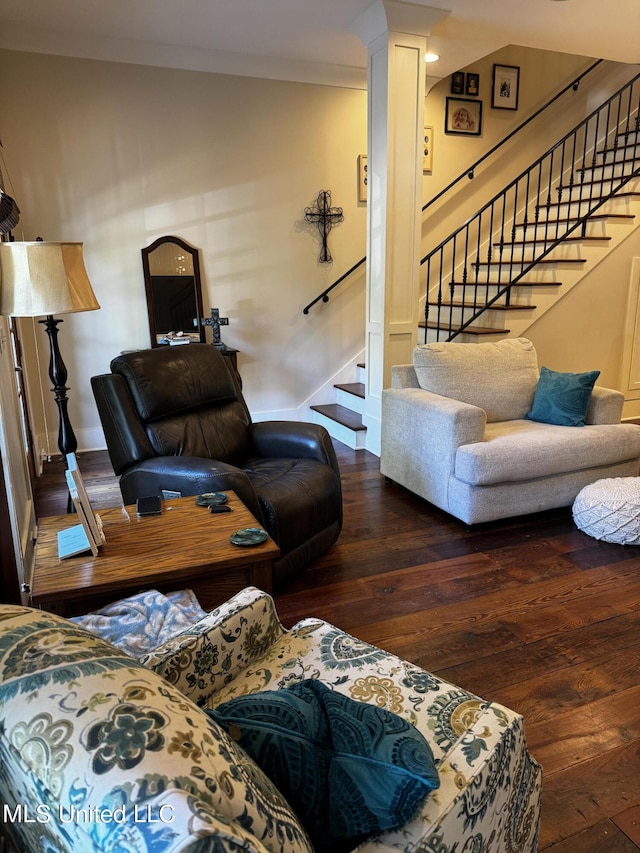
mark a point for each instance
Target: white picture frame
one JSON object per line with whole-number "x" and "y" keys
{"x": 74, "y": 480}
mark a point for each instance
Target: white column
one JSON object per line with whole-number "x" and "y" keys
{"x": 396, "y": 39}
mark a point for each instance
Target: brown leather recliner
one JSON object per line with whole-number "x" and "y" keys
{"x": 175, "y": 418}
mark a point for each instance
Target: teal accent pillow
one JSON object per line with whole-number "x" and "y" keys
{"x": 562, "y": 398}
{"x": 348, "y": 770}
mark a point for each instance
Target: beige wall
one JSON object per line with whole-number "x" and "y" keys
{"x": 586, "y": 329}
{"x": 116, "y": 155}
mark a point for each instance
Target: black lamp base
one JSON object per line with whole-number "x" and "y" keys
{"x": 67, "y": 442}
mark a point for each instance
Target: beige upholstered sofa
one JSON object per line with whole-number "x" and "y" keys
{"x": 455, "y": 432}
{"x": 100, "y": 752}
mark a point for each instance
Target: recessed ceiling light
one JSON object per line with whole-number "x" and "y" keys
{"x": 431, "y": 57}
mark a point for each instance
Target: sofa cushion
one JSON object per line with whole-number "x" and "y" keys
{"x": 562, "y": 398}
{"x": 498, "y": 377}
{"x": 515, "y": 451}
{"x": 489, "y": 786}
{"x": 348, "y": 769}
{"x": 85, "y": 728}
{"x": 317, "y": 649}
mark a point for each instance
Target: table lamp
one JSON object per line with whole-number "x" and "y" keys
{"x": 42, "y": 278}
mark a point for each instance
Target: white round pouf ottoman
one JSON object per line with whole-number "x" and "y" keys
{"x": 610, "y": 510}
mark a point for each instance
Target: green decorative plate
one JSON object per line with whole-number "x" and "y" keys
{"x": 249, "y": 536}
{"x": 212, "y": 499}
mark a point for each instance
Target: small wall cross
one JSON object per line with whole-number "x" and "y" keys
{"x": 215, "y": 321}
{"x": 325, "y": 216}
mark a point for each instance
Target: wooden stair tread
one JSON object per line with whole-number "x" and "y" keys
{"x": 521, "y": 283}
{"x": 568, "y": 219}
{"x": 617, "y": 161}
{"x": 630, "y": 194}
{"x": 592, "y": 182}
{"x": 566, "y": 240}
{"x": 494, "y": 307}
{"x": 358, "y": 389}
{"x": 341, "y": 415}
{"x": 621, "y": 149}
{"x": 469, "y": 330}
{"x": 571, "y": 195}
{"x": 523, "y": 262}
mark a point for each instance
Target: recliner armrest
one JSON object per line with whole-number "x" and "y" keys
{"x": 294, "y": 440}
{"x": 189, "y": 475}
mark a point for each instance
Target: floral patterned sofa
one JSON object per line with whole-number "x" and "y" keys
{"x": 103, "y": 752}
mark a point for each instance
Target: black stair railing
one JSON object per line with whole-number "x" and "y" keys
{"x": 477, "y": 266}
{"x": 324, "y": 296}
{"x": 469, "y": 172}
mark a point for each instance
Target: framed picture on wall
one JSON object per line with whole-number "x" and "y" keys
{"x": 457, "y": 83}
{"x": 472, "y": 86}
{"x": 463, "y": 116}
{"x": 506, "y": 85}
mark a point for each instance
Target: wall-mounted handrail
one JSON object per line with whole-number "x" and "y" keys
{"x": 469, "y": 172}
{"x": 324, "y": 296}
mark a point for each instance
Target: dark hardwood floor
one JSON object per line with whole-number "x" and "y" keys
{"x": 529, "y": 612}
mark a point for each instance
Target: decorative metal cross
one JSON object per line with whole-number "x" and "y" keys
{"x": 325, "y": 216}
{"x": 215, "y": 321}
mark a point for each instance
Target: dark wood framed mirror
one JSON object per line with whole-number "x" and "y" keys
{"x": 174, "y": 292}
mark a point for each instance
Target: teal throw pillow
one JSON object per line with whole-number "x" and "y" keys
{"x": 349, "y": 770}
{"x": 562, "y": 398}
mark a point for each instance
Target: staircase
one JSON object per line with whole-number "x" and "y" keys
{"x": 527, "y": 247}
{"x": 566, "y": 263}
{"x": 548, "y": 280}
{"x": 343, "y": 419}
{"x": 538, "y": 237}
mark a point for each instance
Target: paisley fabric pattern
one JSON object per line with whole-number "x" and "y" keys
{"x": 489, "y": 795}
{"x": 88, "y": 729}
{"x": 202, "y": 659}
{"x": 97, "y": 753}
{"x": 348, "y": 769}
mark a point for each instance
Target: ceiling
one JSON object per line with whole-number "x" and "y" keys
{"x": 308, "y": 40}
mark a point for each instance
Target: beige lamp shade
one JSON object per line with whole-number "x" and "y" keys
{"x": 44, "y": 278}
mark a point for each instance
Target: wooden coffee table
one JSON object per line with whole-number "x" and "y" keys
{"x": 185, "y": 547}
